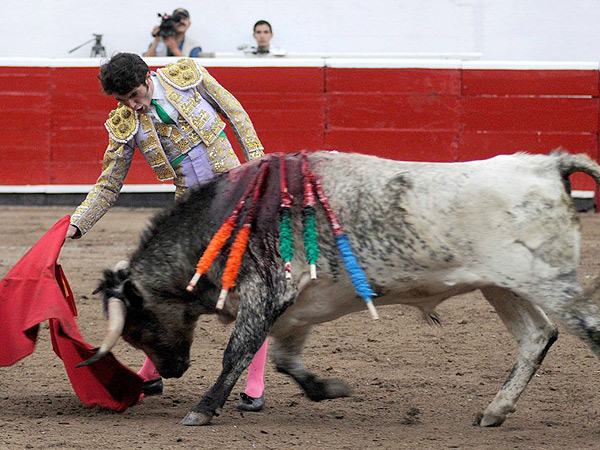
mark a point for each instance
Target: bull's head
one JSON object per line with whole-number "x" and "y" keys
{"x": 163, "y": 329}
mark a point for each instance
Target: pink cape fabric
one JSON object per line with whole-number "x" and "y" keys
{"x": 36, "y": 290}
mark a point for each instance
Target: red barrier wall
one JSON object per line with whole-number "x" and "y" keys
{"x": 52, "y": 121}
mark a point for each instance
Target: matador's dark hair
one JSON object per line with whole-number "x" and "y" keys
{"x": 123, "y": 73}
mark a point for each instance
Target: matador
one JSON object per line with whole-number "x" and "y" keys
{"x": 173, "y": 117}
{"x": 180, "y": 136}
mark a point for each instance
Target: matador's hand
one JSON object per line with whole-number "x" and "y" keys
{"x": 71, "y": 231}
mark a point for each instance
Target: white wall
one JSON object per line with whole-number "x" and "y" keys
{"x": 536, "y": 30}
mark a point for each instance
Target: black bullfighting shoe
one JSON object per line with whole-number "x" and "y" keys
{"x": 152, "y": 387}
{"x": 248, "y": 403}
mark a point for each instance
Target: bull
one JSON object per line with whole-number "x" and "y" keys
{"x": 422, "y": 232}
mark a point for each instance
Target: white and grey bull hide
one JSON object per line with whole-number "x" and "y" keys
{"x": 423, "y": 232}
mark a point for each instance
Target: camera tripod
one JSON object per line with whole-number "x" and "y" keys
{"x": 98, "y": 49}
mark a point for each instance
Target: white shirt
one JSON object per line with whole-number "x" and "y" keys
{"x": 161, "y": 98}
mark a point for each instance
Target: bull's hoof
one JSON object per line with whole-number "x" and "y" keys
{"x": 489, "y": 420}
{"x": 337, "y": 388}
{"x": 324, "y": 389}
{"x": 193, "y": 418}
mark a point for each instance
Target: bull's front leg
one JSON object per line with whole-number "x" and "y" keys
{"x": 243, "y": 344}
{"x": 261, "y": 304}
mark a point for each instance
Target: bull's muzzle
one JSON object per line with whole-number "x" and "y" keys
{"x": 116, "y": 322}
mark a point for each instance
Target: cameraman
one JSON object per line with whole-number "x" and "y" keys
{"x": 170, "y": 38}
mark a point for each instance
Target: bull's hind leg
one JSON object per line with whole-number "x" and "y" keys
{"x": 579, "y": 313}
{"x": 287, "y": 357}
{"x": 534, "y": 334}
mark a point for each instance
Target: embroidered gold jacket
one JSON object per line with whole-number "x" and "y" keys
{"x": 197, "y": 96}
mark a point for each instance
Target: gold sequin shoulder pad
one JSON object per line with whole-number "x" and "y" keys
{"x": 122, "y": 124}
{"x": 184, "y": 74}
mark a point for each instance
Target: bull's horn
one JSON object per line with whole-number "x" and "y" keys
{"x": 116, "y": 323}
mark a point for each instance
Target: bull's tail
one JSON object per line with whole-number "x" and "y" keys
{"x": 569, "y": 163}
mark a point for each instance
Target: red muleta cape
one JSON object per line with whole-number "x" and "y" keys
{"x": 36, "y": 290}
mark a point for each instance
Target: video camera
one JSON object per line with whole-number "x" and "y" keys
{"x": 168, "y": 24}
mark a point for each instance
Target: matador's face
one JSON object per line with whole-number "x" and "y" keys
{"x": 139, "y": 98}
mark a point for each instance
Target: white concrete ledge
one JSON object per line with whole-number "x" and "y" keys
{"x": 531, "y": 65}
{"x": 582, "y": 194}
{"x": 344, "y": 60}
{"x": 385, "y": 63}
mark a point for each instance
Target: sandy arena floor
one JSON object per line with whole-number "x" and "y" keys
{"x": 415, "y": 387}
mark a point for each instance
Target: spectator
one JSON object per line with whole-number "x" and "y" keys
{"x": 170, "y": 38}
{"x": 263, "y": 33}
{"x": 172, "y": 116}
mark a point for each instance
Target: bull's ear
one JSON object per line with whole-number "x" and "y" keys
{"x": 106, "y": 282}
{"x": 99, "y": 289}
{"x": 133, "y": 295}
